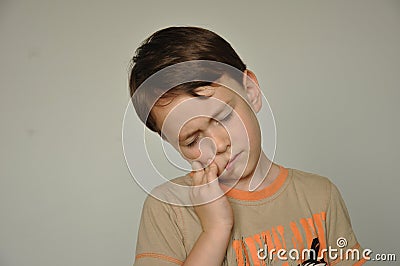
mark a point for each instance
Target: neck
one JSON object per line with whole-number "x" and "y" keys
{"x": 263, "y": 175}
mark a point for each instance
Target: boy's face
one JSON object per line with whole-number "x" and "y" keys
{"x": 221, "y": 127}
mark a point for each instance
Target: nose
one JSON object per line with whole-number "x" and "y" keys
{"x": 221, "y": 138}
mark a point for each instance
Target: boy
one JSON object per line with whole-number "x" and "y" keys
{"x": 245, "y": 209}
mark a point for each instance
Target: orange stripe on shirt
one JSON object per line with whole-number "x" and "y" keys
{"x": 253, "y": 250}
{"x": 277, "y": 242}
{"x": 323, "y": 215}
{"x": 158, "y": 256}
{"x": 297, "y": 239}
{"x": 260, "y": 194}
{"x": 237, "y": 247}
{"x": 312, "y": 227}
{"x": 297, "y": 235}
{"x": 268, "y": 239}
{"x": 318, "y": 218}
{"x": 360, "y": 262}
{"x": 246, "y": 254}
{"x": 258, "y": 240}
{"x": 281, "y": 231}
{"x": 307, "y": 230}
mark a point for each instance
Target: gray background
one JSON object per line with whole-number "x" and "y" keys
{"x": 330, "y": 70}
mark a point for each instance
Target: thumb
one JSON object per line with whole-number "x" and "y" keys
{"x": 196, "y": 165}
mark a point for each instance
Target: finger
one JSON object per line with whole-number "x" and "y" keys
{"x": 206, "y": 174}
{"x": 206, "y": 170}
{"x": 197, "y": 177}
{"x": 212, "y": 172}
{"x": 196, "y": 166}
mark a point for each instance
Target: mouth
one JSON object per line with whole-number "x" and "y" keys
{"x": 231, "y": 162}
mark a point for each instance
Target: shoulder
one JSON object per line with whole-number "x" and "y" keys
{"x": 310, "y": 181}
{"x": 175, "y": 192}
{"x": 313, "y": 187}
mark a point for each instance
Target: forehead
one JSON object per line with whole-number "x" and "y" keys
{"x": 182, "y": 108}
{"x": 172, "y": 116}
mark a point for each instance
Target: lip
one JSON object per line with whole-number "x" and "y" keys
{"x": 231, "y": 162}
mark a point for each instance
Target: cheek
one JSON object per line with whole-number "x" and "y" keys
{"x": 238, "y": 131}
{"x": 190, "y": 153}
{"x": 246, "y": 131}
{"x": 251, "y": 123}
{"x": 201, "y": 153}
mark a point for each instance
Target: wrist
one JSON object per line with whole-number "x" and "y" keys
{"x": 222, "y": 230}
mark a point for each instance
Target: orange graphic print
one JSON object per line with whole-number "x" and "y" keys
{"x": 303, "y": 234}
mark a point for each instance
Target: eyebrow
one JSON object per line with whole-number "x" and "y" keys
{"x": 191, "y": 133}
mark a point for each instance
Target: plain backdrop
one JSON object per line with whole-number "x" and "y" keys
{"x": 329, "y": 69}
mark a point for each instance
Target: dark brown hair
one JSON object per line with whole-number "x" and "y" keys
{"x": 171, "y": 46}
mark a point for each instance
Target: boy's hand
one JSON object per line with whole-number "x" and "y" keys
{"x": 214, "y": 211}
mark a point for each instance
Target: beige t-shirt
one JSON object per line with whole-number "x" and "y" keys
{"x": 299, "y": 214}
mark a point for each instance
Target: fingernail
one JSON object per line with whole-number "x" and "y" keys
{"x": 196, "y": 166}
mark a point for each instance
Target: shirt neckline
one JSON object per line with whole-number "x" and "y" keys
{"x": 260, "y": 194}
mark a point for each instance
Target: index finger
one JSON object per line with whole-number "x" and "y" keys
{"x": 196, "y": 166}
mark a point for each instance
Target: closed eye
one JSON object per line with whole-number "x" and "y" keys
{"x": 193, "y": 142}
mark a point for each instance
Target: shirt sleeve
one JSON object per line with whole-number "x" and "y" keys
{"x": 160, "y": 242}
{"x": 340, "y": 235}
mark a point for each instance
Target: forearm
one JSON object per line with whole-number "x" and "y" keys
{"x": 209, "y": 249}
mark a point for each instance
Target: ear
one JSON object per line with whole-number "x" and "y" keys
{"x": 252, "y": 89}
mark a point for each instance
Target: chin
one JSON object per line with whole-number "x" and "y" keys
{"x": 230, "y": 176}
